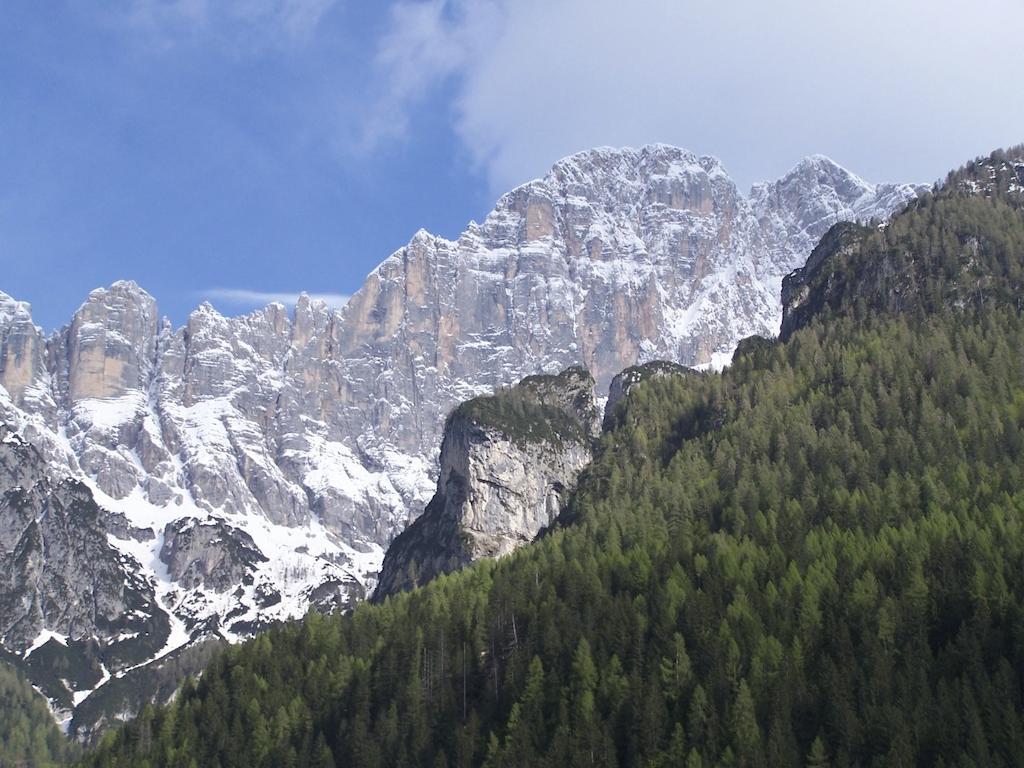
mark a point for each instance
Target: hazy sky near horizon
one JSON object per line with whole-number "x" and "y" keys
{"x": 241, "y": 151}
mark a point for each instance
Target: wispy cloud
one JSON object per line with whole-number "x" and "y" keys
{"x": 760, "y": 84}
{"x": 427, "y": 42}
{"x": 247, "y": 24}
{"x": 243, "y": 297}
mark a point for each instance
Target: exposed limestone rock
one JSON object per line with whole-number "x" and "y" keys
{"x": 209, "y": 553}
{"x": 23, "y": 370}
{"x": 110, "y": 346}
{"x": 507, "y": 460}
{"x": 60, "y": 571}
{"x": 118, "y": 525}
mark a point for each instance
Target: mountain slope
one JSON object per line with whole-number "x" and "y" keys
{"x": 811, "y": 558}
{"x": 958, "y": 247}
{"x": 251, "y": 467}
{"x": 28, "y": 735}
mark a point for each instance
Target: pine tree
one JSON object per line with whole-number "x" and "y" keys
{"x": 818, "y": 755}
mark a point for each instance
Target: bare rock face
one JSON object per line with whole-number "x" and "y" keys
{"x": 507, "y": 461}
{"x": 61, "y": 573}
{"x": 110, "y": 346}
{"x": 208, "y": 553}
{"x": 798, "y": 303}
{"x": 23, "y": 370}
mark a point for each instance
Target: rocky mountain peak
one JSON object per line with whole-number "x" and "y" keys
{"x": 819, "y": 176}
{"x": 109, "y": 347}
{"x": 13, "y": 310}
{"x": 125, "y": 288}
{"x": 22, "y": 350}
{"x": 618, "y": 180}
{"x": 572, "y": 392}
{"x": 649, "y": 161}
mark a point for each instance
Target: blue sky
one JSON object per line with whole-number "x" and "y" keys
{"x": 242, "y": 150}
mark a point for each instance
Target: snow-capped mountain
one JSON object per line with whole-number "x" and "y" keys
{"x": 249, "y": 467}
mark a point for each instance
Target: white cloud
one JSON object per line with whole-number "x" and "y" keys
{"x": 896, "y": 89}
{"x": 243, "y": 297}
{"x": 427, "y": 42}
{"x": 246, "y": 24}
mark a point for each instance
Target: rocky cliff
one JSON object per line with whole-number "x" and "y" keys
{"x": 507, "y": 462}
{"x": 66, "y": 590}
{"x": 315, "y": 432}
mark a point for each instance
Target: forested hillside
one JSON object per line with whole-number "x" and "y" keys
{"x": 959, "y": 247}
{"x": 28, "y": 735}
{"x": 815, "y": 558}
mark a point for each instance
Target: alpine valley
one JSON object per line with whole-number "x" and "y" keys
{"x": 165, "y": 490}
